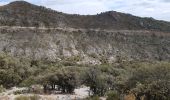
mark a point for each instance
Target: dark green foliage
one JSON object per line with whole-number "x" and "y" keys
{"x": 148, "y": 79}
{"x": 2, "y": 89}
{"x": 10, "y": 71}
{"x": 151, "y": 81}
{"x": 14, "y": 72}
{"x": 112, "y": 95}
{"x": 66, "y": 80}
{"x": 95, "y": 97}
{"x": 28, "y": 81}
{"x": 96, "y": 80}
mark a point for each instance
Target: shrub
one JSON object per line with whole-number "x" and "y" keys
{"x": 68, "y": 80}
{"x": 28, "y": 82}
{"x": 2, "y": 89}
{"x": 96, "y": 80}
{"x": 18, "y": 92}
{"x": 95, "y": 97}
{"x": 151, "y": 81}
{"x": 112, "y": 95}
{"x": 12, "y": 71}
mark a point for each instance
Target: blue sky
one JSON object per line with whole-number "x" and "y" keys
{"x": 158, "y": 9}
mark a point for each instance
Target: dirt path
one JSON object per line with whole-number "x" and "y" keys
{"x": 79, "y": 94}
{"x": 11, "y": 91}
{"x": 69, "y": 29}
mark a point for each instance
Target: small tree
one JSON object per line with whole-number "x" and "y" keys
{"x": 65, "y": 79}
{"x": 96, "y": 80}
{"x": 2, "y": 89}
{"x": 68, "y": 80}
{"x": 9, "y": 71}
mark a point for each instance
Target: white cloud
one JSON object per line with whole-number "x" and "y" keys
{"x": 3, "y": 2}
{"x": 77, "y": 6}
{"x": 159, "y": 9}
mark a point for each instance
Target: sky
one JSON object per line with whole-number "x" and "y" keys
{"x": 158, "y": 9}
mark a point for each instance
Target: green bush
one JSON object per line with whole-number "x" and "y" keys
{"x": 18, "y": 92}
{"x": 2, "y": 89}
{"x": 112, "y": 95}
{"x": 12, "y": 71}
{"x": 66, "y": 79}
{"x": 28, "y": 82}
{"x": 95, "y": 97}
{"x": 96, "y": 80}
{"x": 151, "y": 81}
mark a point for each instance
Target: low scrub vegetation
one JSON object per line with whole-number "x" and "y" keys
{"x": 95, "y": 97}
{"x": 112, "y": 94}
{"x": 34, "y": 97}
{"x": 149, "y": 80}
{"x": 2, "y": 89}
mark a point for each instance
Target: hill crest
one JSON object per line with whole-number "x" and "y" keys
{"x": 22, "y": 13}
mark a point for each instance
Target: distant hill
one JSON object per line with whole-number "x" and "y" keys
{"x": 21, "y": 13}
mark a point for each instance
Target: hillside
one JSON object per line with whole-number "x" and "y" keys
{"x": 50, "y": 55}
{"x": 21, "y": 13}
{"x": 84, "y": 46}
{"x": 46, "y": 34}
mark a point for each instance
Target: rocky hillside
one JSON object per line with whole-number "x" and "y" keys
{"x": 39, "y": 33}
{"x": 84, "y": 46}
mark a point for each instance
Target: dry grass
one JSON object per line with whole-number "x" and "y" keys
{"x": 22, "y": 97}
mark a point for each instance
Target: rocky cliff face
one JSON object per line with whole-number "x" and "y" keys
{"x": 39, "y": 33}
{"x": 84, "y": 46}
